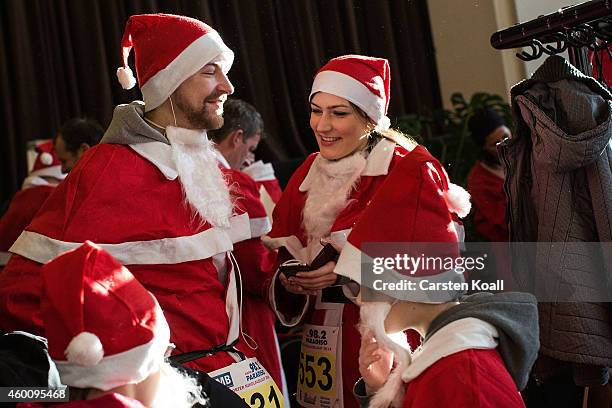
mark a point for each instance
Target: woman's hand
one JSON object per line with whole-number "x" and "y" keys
{"x": 375, "y": 363}
{"x": 293, "y": 287}
{"x": 316, "y": 279}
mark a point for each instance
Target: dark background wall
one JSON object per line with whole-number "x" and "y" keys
{"x": 58, "y": 60}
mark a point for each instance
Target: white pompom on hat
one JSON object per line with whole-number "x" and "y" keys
{"x": 103, "y": 327}
{"x": 46, "y": 162}
{"x": 364, "y": 81}
{"x": 168, "y": 49}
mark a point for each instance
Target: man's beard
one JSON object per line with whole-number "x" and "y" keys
{"x": 177, "y": 390}
{"x": 200, "y": 117}
{"x": 203, "y": 182}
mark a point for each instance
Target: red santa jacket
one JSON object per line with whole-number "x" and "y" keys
{"x": 287, "y": 231}
{"x": 460, "y": 366}
{"x": 20, "y": 213}
{"x": 128, "y": 199}
{"x": 489, "y": 198}
{"x": 255, "y": 262}
{"x": 468, "y": 379}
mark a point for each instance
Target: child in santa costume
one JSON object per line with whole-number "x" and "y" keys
{"x": 46, "y": 174}
{"x": 108, "y": 336}
{"x": 322, "y": 201}
{"x": 477, "y": 350}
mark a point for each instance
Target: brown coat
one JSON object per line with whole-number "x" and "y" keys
{"x": 559, "y": 185}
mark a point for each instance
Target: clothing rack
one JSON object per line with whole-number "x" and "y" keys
{"x": 577, "y": 29}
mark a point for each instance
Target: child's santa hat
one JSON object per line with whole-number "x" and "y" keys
{"x": 364, "y": 81}
{"x": 416, "y": 207}
{"x": 46, "y": 163}
{"x": 168, "y": 49}
{"x": 104, "y": 329}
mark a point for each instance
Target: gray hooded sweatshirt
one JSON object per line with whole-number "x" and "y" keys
{"x": 129, "y": 127}
{"x": 513, "y": 314}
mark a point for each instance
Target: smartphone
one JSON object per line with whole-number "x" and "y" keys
{"x": 292, "y": 268}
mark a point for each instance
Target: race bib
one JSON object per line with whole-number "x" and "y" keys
{"x": 252, "y": 382}
{"x": 318, "y": 384}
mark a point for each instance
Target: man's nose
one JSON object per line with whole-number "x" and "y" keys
{"x": 225, "y": 85}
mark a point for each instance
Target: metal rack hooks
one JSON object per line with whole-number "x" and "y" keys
{"x": 586, "y": 24}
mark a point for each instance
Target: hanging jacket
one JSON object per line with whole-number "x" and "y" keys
{"x": 559, "y": 185}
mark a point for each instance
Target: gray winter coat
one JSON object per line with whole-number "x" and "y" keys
{"x": 559, "y": 185}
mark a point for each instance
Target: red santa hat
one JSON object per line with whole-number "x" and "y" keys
{"x": 104, "y": 329}
{"x": 413, "y": 207}
{"x": 364, "y": 81}
{"x": 46, "y": 163}
{"x": 168, "y": 49}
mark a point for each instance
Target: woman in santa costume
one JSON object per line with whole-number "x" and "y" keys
{"x": 477, "y": 350}
{"x": 322, "y": 201}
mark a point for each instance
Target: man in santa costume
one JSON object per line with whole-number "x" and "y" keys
{"x": 477, "y": 350}
{"x": 237, "y": 141}
{"x": 74, "y": 138}
{"x": 152, "y": 195}
{"x": 108, "y": 336}
{"x": 46, "y": 174}
{"x": 240, "y": 134}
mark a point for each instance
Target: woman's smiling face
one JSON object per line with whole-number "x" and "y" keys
{"x": 340, "y": 130}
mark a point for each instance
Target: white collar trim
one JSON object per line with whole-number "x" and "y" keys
{"x": 460, "y": 335}
{"x": 160, "y": 155}
{"x": 221, "y": 159}
{"x": 377, "y": 163}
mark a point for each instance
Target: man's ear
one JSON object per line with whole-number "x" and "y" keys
{"x": 82, "y": 149}
{"x": 236, "y": 137}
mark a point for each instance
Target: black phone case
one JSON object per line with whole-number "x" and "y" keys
{"x": 291, "y": 270}
{"x": 328, "y": 253}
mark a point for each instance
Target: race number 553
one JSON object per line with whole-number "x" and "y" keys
{"x": 317, "y": 371}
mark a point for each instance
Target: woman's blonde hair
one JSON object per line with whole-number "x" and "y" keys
{"x": 393, "y": 135}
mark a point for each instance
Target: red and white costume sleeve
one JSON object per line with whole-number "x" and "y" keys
{"x": 269, "y": 189}
{"x": 287, "y": 232}
{"x": 127, "y": 199}
{"x": 256, "y": 267}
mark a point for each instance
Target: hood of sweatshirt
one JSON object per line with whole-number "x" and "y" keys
{"x": 568, "y": 115}
{"x": 513, "y": 315}
{"x": 129, "y": 127}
